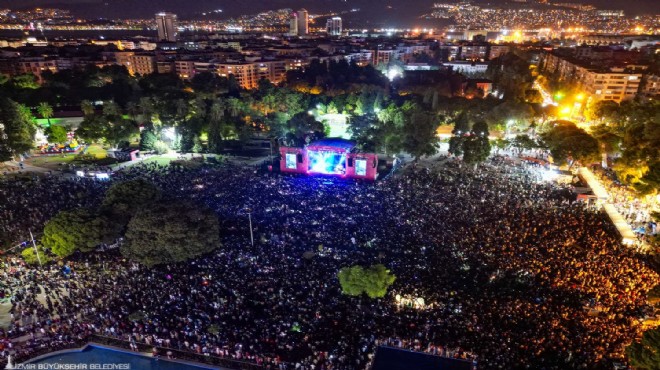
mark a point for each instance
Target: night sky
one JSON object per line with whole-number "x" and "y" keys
{"x": 402, "y": 10}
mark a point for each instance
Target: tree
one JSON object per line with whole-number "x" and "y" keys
{"x": 45, "y": 111}
{"x": 603, "y": 111}
{"x": 650, "y": 180}
{"x": 56, "y": 134}
{"x": 374, "y": 280}
{"x": 570, "y": 144}
{"x": 26, "y": 81}
{"x": 303, "y": 127}
{"x": 17, "y": 129}
{"x": 147, "y": 140}
{"x": 511, "y": 74}
{"x": 501, "y": 144}
{"x": 332, "y": 108}
{"x": 522, "y": 143}
{"x": 126, "y": 198}
{"x": 92, "y": 128}
{"x": 30, "y": 257}
{"x": 461, "y": 128}
{"x": 419, "y": 134}
{"x": 476, "y": 146}
{"x": 645, "y": 354}
{"x": 120, "y": 131}
{"x": 171, "y": 232}
{"x": 608, "y": 136}
{"x": 87, "y": 108}
{"x": 79, "y": 229}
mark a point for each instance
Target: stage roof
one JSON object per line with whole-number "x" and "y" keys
{"x": 334, "y": 142}
{"x": 388, "y": 358}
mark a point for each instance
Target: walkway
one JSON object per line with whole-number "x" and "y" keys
{"x": 625, "y": 230}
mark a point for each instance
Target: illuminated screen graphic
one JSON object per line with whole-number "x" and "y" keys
{"x": 361, "y": 167}
{"x": 291, "y": 161}
{"x": 327, "y": 162}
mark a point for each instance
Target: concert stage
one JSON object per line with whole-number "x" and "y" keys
{"x": 337, "y": 157}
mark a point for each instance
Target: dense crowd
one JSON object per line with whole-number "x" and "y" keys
{"x": 513, "y": 272}
{"x": 635, "y": 209}
{"x": 26, "y": 204}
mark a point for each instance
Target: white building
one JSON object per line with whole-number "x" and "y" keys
{"x": 467, "y": 67}
{"x": 293, "y": 24}
{"x": 303, "y": 22}
{"x": 166, "y": 24}
{"x": 334, "y": 26}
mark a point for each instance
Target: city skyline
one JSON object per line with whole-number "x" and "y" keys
{"x": 393, "y": 12}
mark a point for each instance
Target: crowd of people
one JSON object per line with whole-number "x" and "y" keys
{"x": 26, "y": 204}
{"x": 513, "y": 272}
{"x": 635, "y": 209}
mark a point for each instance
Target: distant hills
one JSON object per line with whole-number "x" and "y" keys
{"x": 373, "y": 12}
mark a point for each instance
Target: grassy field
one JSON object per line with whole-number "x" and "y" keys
{"x": 52, "y": 161}
{"x": 162, "y": 161}
{"x": 57, "y": 161}
{"x": 97, "y": 151}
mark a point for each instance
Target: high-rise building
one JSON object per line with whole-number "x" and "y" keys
{"x": 334, "y": 26}
{"x": 166, "y": 23}
{"x": 303, "y": 22}
{"x": 293, "y": 24}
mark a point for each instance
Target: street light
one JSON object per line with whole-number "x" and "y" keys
{"x": 249, "y": 213}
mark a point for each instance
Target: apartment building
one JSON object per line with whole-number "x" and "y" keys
{"x": 600, "y": 83}
{"x": 248, "y": 74}
{"x": 136, "y": 64}
{"x": 498, "y": 50}
{"x": 474, "y": 51}
{"x": 36, "y": 66}
{"x": 650, "y": 87}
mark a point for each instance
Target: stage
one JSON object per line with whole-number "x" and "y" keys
{"x": 332, "y": 156}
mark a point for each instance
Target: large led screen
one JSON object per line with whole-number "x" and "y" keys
{"x": 327, "y": 162}
{"x": 291, "y": 161}
{"x": 361, "y": 167}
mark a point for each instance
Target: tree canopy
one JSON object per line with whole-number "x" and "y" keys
{"x": 171, "y": 232}
{"x": 569, "y": 144}
{"x": 56, "y": 134}
{"x": 17, "y": 129}
{"x": 476, "y": 146}
{"x": 126, "y": 198}
{"x": 645, "y": 354}
{"x": 372, "y": 281}
{"x": 78, "y": 229}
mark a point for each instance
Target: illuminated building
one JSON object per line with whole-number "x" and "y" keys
{"x": 293, "y": 25}
{"x": 334, "y": 26}
{"x": 303, "y": 22}
{"x": 248, "y": 74}
{"x": 166, "y": 24}
{"x": 468, "y": 67}
{"x": 497, "y": 51}
{"x": 136, "y": 64}
{"x": 613, "y": 83}
{"x": 36, "y": 66}
{"x": 651, "y": 86}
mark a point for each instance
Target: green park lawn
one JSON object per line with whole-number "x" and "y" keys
{"x": 162, "y": 161}
{"x": 52, "y": 162}
{"x": 57, "y": 161}
{"x": 97, "y": 151}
